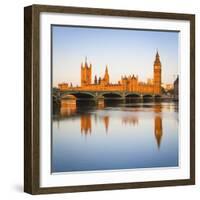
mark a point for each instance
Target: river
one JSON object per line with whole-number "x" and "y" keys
{"x": 114, "y": 135}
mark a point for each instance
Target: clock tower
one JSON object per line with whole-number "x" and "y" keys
{"x": 157, "y": 74}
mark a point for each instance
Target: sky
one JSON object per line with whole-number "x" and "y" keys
{"x": 126, "y": 52}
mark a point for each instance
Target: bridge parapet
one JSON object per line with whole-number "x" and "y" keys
{"x": 104, "y": 94}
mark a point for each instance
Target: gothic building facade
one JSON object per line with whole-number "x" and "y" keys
{"x": 129, "y": 83}
{"x": 86, "y": 74}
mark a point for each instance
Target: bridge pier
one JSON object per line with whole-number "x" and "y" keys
{"x": 123, "y": 96}
{"x": 99, "y": 101}
{"x": 141, "y": 98}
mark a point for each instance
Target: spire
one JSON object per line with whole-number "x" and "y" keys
{"x": 99, "y": 80}
{"x": 106, "y": 69}
{"x": 95, "y": 79}
{"x": 106, "y": 76}
{"x": 106, "y": 72}
{"x": 157, "y": 59}
{"x": 86, "y": 65}
{"x": 157, "y": 54}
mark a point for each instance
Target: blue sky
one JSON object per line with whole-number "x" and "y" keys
{"x": 124, "y": 51}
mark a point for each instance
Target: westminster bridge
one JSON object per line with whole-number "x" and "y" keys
{"x": 103, "y": 95}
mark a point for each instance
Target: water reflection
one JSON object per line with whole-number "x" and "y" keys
{"x": 130, "y": 129}
{"x": 158, "y": 129}
{"x": 69, "y": 108}
{"x": 130, "y": 121}
{"x": 106, "y": 122}
{"x": 86, "y": 124}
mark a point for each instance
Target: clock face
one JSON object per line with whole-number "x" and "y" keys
{"x": 157, "y": 67}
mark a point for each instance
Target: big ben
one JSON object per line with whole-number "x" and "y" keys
{"x": 157, "y": 74}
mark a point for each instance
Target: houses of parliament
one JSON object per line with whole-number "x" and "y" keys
{"x": 130, "y": 83}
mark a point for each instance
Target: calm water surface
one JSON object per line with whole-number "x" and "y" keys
{"x": 114, "y": 135}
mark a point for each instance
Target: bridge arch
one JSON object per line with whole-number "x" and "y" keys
{"x": 68, "y": 96}
{"x": 111, "y": 94}
{"x": 78, "y": 94}
{"x": 147, "y": 96}
{"x": 132, "y": 95}
{"x": 157, "y": 96}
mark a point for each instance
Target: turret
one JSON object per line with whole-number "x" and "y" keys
{"x": 106, "y": 76}
{"x": 86, "y": 73}
{"x": 99, "y": 80}
{"x": 86, "y": 65}
{"x": 95, "y": 79}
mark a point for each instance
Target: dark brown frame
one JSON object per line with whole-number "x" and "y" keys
{"x": 32, "y": 107}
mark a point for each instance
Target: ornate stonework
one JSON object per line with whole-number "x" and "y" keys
{"x": 129, "y": 83}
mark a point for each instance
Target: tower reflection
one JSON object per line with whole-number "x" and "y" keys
{"x": 106, "y": 122}
{"x": 86, "y": 124}
{"x": 158, "y": 129}
{"x": 69, "y": 108}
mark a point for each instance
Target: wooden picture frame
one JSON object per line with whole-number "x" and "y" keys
{"x": 32, "y": 97}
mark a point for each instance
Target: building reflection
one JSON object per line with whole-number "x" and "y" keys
{"x": 157, "y": 108}
{"x": 101, "y": 104}
{"x": 68, "y": 107}
{"x": 106, "y": 122}
{"x": 86, "y": 124}
{"x": 158, "y": 130}
{"x": 130, "y": 120}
